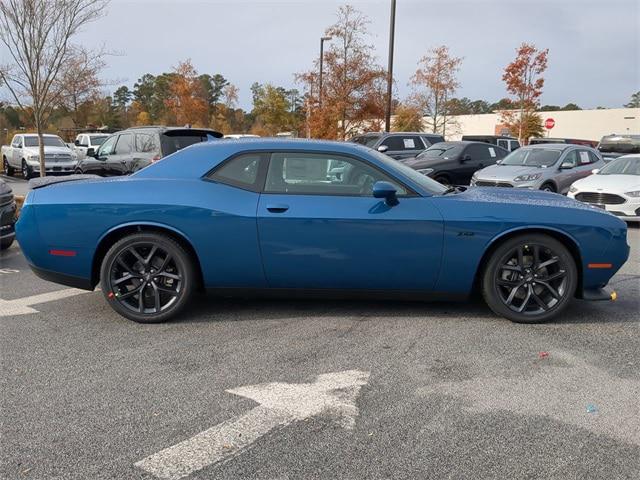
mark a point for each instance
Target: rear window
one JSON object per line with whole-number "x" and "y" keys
{"x": 171, "y": 143}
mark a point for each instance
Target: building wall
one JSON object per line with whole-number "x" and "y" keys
{"x": 581, "y": 124}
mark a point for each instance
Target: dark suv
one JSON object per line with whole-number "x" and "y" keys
{"x": 130, "y": 150}
{"x": 398, "y": 145}
{"x": 7, "y": 216}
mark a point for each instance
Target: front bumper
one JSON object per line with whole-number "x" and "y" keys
{"x": 628, "y": 211}
{"x": 53, "y": 167}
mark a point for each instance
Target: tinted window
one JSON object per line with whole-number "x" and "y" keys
{"x": 571, "y": 158}
{"x": 146, "y": 143}
{"x": 48, "y": 142}
{"x": 401, "y": 142}
{"x": 366, "y": 140}
{"x": 95, "y": 141}
{"x": 323, "y": 174}
{"x": 477, "y": 152}
{"x": 533, "y": 157}
{"x": 125, "y": 144}
{"x": 108, "y": 146}
{"x": 241, "y": 171}
{"x": 173, "y": 143}
{"x": 432, "y": 140}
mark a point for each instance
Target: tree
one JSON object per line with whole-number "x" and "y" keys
{"x": 635, "y": 101}
{"x": 271, "y": 109}
{"x": 435, "y": 83}
{"x": 408, "y": 118}
{"x": 38, "y": 36}
{"x": 524, "y": 81}
{"x": 79, "y": 81}
{"x": 465, "y": 106}
{"x": 183, "y": 100}
{"x": 353, "y": 83}
{"x": 571, "y": 106}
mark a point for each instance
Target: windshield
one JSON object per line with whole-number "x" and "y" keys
{"x": 48, "y": 142}
{"x": 98, "y": 140}
{"x": 172, "y": 142}
{"x": 366, "y": 140}
{"x": 532, "y": 157}
{"x": 622, "y": 166}
{"x": 425, "y": 182}
{"x": 441, "y": 150}
{"x": 626, "y": 145}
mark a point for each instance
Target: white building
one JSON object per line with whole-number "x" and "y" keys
{"x": 580, "y": 124}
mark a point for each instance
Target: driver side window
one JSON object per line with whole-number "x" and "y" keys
{"x": 323, "y": 174}
{"x": 108, "y": 146}
{"x": 571, "y": 158}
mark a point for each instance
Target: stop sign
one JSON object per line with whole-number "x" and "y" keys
{"x": 549, "y": 123}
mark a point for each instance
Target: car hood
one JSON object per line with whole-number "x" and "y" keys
{"x": 48, "y": 150}
{"x": 508, "y": 172}
{"x": 431, "y": 162}
{"x": 609, "y": 183}
{"x": 516, "y": 196}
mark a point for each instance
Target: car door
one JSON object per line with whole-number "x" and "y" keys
{"x": 99, "y": 164}
{"x": 16, "y": 152}
{"x": 565, "y": 175}
{"x": 474, "y": 157}
{"x": 403, "y": 146}
{"x": 119, "y": 162}
{"x": 321, "y": 233}
{"x": 586, "y": 161}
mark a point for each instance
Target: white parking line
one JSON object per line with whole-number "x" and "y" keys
{"x": 22, "y": 306}
{"x": 333, "y": 394}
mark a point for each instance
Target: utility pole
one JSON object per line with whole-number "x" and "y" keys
{"x": 322, "y": 40}
{"x": 392, "y": 31}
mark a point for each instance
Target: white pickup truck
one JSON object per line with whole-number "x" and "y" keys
{"x": 23, "y": 155}
{"x": 85, "y": 141}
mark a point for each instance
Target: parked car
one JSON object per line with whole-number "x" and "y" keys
{"x": 23, "y": 155}
{"x": 615, "y": 188}
{"x": 454, "y": 163}
{"x": 508, "y": 143}
{"x": 85, "y": 141}
{"x": 572, "y": 141}
{"x": 551, "y": 167}
{"x": 7, "y": 215}
{"x": 261, "y": 215}
{"x": 398, "y": 145}
{"x": 614, "y": 146}
{"x": 130, "y": 150}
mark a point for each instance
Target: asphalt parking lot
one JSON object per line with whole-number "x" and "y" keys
{"x": 315, "y": 389}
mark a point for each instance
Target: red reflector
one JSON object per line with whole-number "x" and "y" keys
{"x": 63, "y": 253}
{"x": 600, "y": 265}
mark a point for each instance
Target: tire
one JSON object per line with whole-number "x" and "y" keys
{"x": 144, "y": 271}
{"x": 6, "y": 243}
{"x": 543, "y": 277}
{"x": 77, "y": 172}
{"x": 26, "y": 170}
{"x": 548, "y": 187}
{"x": 7, "y": 169}
{"x": 443, "y": 179}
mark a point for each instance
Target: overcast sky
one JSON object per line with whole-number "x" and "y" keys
{"x": 594, "y": 46}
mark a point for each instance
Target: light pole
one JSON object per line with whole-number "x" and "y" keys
{"x": 392, "y": 30}
{"x": 322, "y": 40}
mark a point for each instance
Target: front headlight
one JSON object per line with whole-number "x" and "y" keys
{"x": 33, "y": 158}
{"x": 425, "y": 171}
{"x": 572, "y": 189}
{"x": 527, "y": 178}
{"x": 635, "y": 193}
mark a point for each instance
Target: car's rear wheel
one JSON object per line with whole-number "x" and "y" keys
{"x": 26, "y": 170}
{"x": 7, "y": 169}
{"x": 530, "y": 279}
{"x": 147, "y": 277}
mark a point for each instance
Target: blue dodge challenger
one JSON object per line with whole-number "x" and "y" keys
{"x": 314, "y": 217}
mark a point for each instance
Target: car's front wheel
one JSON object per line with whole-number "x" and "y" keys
{"x": 530, "y": 278}
{"x": 7, "y": 169}
{"x": 147, "y": 277}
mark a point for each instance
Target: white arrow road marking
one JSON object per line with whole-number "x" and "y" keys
{"x": 281, "y": 404}
{"x": 22, "y": 306}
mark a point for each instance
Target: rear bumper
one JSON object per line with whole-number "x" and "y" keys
{"x": 63, "y": 279}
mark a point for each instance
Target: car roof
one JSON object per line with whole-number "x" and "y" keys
{"x": 164, "y": 128}
{"x": 556, "y": 146}
{"x": 35, "y": 135}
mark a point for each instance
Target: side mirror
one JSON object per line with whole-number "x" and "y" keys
{"x": 465, "y": 158}
{"x": 383, "y": 148}
{"x": 387, "y": 191}
{"x": 566, "y": 166}
{"x": 595, "y": 171}
{"x": 77, "y": 143}
{"x": 91, "y": 152}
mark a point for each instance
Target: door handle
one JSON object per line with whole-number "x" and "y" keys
{"x": 278, "y": 208}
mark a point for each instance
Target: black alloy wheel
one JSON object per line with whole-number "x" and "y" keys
{"x": 147, "y": 277}
{"x": 530, "y": 279}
